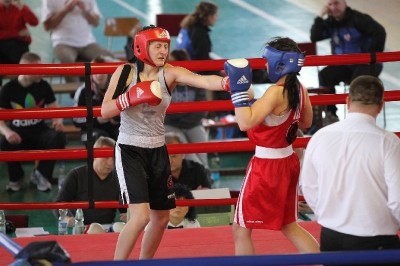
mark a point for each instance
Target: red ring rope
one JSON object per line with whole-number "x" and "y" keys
{"x": 70, "y": 112}
{"x": 194, "y": 65}
{"x": 225, "y": 105}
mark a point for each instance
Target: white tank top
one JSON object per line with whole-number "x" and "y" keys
{"x": 143, "y": 125}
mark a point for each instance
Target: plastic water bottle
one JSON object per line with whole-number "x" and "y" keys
{"x": 215, "y": 167}
{"x": 79, "y": 227}
{"x": 2, "y": 222}
{"x": 63, "y": 222}
{"x": 61, "y": 175}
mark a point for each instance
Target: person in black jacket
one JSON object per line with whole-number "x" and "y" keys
{"x": 101, "y": 126}
{"x": 105, "y": 187}
{"x": 350, "y": 32}
{"x": 30, "y": 91}
{"x": 188, "y": 125}
{"x": 194, "y": 37}
{"x": 187, "y": 172}
{"x": 194, "y": 34}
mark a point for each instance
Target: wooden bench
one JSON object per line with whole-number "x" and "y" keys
{"x": 69, "y": 87}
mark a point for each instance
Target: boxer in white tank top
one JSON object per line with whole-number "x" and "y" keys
{"x": 142, "y": 161}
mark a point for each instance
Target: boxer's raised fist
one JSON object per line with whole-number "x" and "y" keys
{"x": 143, "y": 92}
{"x": 240, "y": 76}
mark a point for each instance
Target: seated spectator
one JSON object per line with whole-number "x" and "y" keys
{"x": 194, "y": 37}
{"x": 182, "y": 216}
{"x": 70, "y": 23}
{"x": 187, "y": 172}
{"x": 105, "y": 186}
{"x": 350, "y": 32}
{"x": 188, "y": 125}
{"x": 101, "y": 126}
{"x": 14, "y": 35}
{"x": 30, "y": 91}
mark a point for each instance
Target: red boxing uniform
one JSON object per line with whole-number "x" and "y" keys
{"x": 12, "y": 20}
{"x": 268, "y": 196}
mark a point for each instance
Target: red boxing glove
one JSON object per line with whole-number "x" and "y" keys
{"x": 225, "y": 83}
{"x": 143, "y": 92}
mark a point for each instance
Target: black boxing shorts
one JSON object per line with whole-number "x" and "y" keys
{"x": 144, "y": 176}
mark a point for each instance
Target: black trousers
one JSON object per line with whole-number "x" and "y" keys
{"x": 335, "y": 241}
{"x": 37, "y": 138}
{"x": 333, "y": 75}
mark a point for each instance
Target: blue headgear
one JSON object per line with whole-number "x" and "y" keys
{"x": 281, "y": 63}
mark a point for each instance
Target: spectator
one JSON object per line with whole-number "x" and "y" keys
{"x": 194, "y": 37}
{"x": 268, "y": 196}
{"x": 183, "y": 216}
{"x": 350, "y": 176}
{"x": 14, "y": 35}
{"x": 105, "y": 187}
{"x": 187, "y": 172}
{"x": 188, "y": 125}
{"x": 101, "y": 126}
{"x": 194, "y": 34}
{"x": 71, "y": 33}
{"x": 350, "y": 32}
{"x": 30, "y": 91}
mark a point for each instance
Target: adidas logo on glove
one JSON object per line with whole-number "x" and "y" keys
{"x": 242, "y": 80}
{"x": 139, "y": 92}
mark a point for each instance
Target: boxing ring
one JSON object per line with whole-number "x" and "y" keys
{"x": 219, "y": 237}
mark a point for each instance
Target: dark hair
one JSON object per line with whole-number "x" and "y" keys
{"x": 30, "y": 57}
{"x": 368, "y": 90}
{"x": 139, "y": 63}
{"x": 292, "y": 83}
{"x": 200, "y": 15}
{"x": 104, "y": 142}
{"x": 183, "y": 191}
{"x": 180, "y": 55}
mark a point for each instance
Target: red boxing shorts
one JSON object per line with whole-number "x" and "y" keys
{"x": 268, "y": 197}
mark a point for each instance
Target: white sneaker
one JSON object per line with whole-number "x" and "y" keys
{"x": 40, "y": 181}
{"x": 13, "y": 186}
{"x": 16, "y": 186}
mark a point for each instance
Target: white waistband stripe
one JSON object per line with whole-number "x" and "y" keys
{"x": 271, "y": 153}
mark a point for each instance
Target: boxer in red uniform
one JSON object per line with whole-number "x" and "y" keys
{"x": 140, "y": 93}
{"x": 268, "y": 197}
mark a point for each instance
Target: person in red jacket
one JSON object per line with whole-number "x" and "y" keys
{"x": 14, "y": 35}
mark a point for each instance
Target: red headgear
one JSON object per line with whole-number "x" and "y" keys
{"x": 141, "y": 44}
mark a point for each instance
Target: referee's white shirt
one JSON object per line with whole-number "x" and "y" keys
{"x": 351, "y": 177}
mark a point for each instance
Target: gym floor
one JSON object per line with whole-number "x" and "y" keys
{"x": 241, "y": 31}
